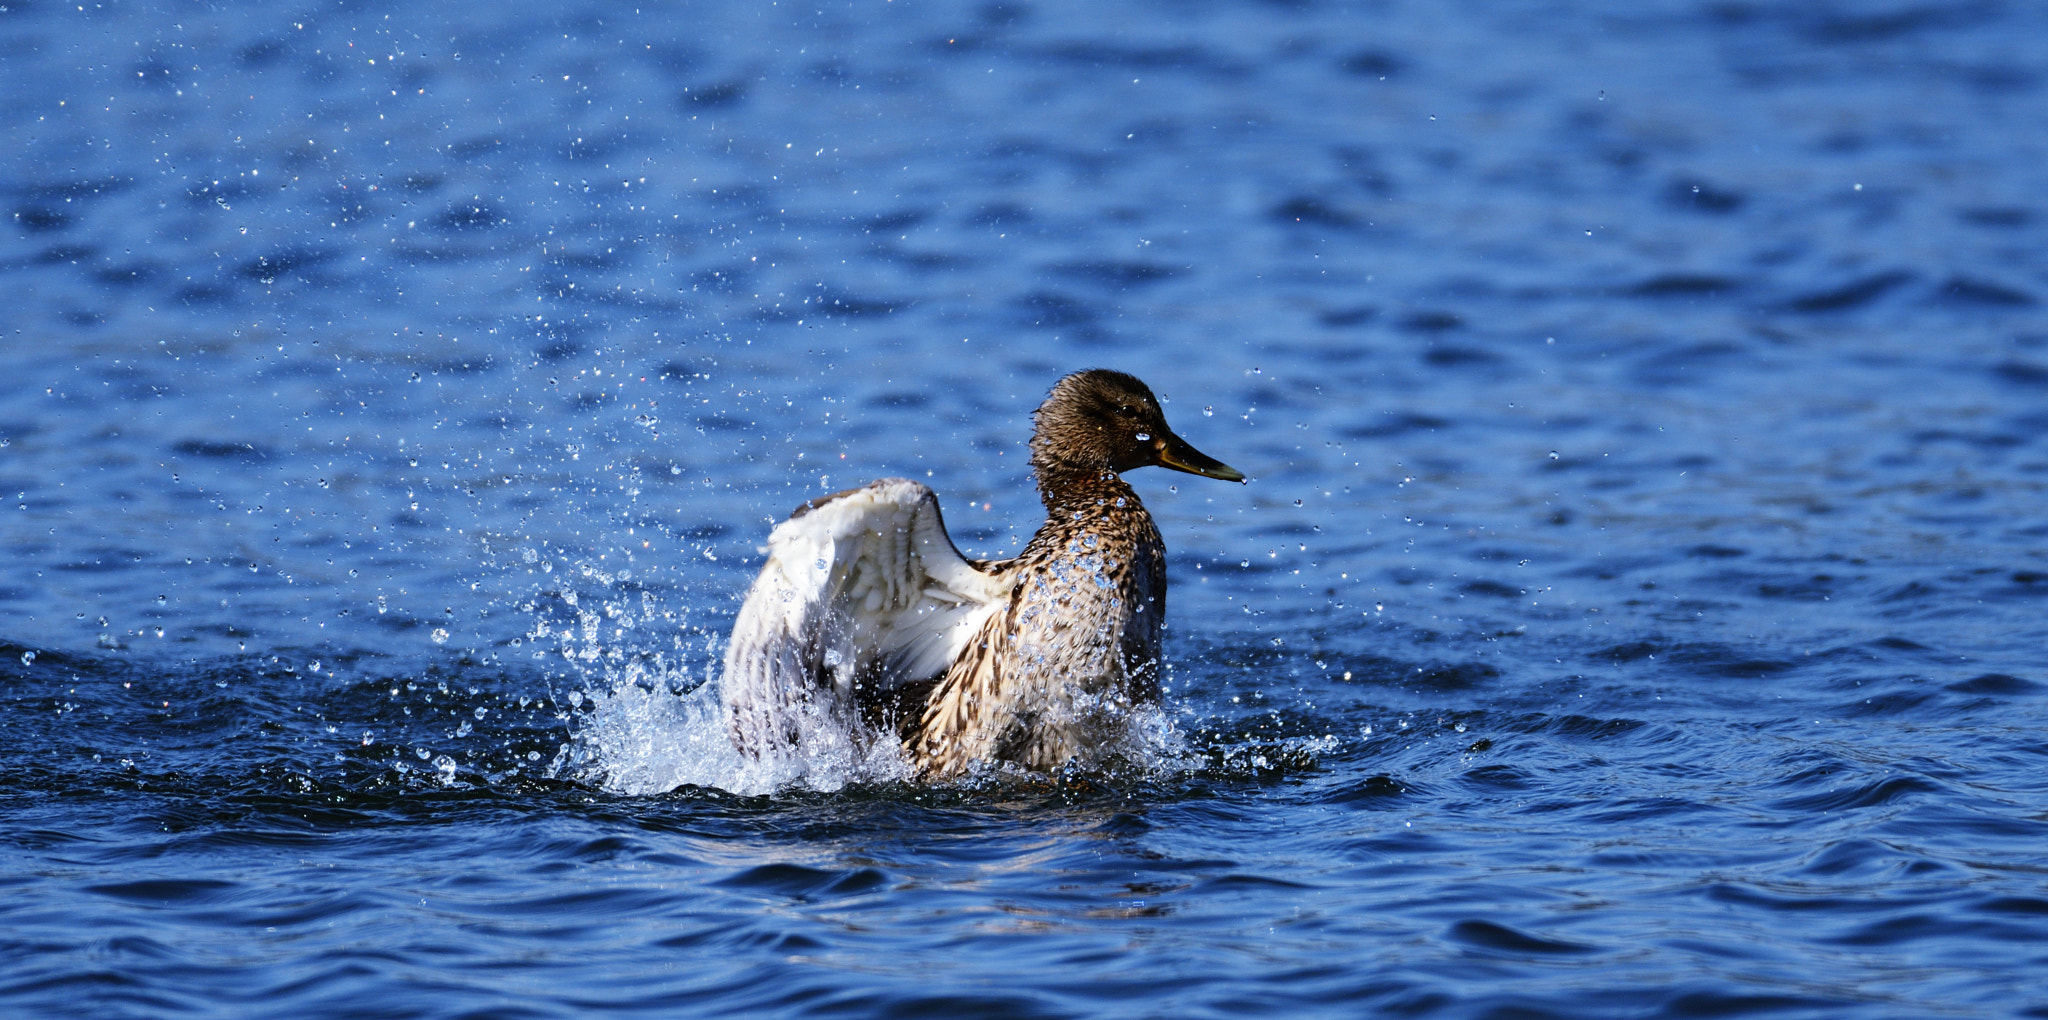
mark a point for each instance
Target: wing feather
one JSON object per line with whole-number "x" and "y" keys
{"x": 863, "y": 592}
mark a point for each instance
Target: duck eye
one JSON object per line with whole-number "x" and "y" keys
{"x": 1127, "y": 411}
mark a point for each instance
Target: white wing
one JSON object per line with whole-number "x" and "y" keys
{"x": 860, "y": 589}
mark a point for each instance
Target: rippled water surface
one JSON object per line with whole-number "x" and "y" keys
{"x": 1636, "y": 609}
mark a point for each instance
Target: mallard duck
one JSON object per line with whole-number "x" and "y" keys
{"x": 866, "y": 621}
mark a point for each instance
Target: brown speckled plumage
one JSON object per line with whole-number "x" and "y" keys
{"x": 1074, "y": 649}
{"x": 1049, "y": 652}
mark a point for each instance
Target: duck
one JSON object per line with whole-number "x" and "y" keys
{"x": 867, "y": 624}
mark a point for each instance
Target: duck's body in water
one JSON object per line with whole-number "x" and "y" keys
{"x": 866, "y": 621}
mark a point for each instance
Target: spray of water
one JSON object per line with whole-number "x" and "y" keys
{"x": 638, "y": 737}
{"x": 641, "y": 739}
{"x": 647, "y": 718}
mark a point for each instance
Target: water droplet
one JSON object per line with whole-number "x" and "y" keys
{"x": 1297, "y": 502}
{"x": 1208, "y": 412}
{"x": 1553, "y": 455}
{"x": 440, "y": 635}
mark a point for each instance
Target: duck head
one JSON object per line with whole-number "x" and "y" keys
{"x": 1103, "y": 420}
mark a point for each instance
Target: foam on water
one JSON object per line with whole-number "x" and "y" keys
{"x": 646, "y": 732}
{"x": 643, "y": 739}
{"x": 644, "y": 681}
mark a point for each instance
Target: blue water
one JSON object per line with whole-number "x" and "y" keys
{"x": 1636, "y": 609}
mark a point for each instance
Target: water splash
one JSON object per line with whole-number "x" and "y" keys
{"x": 638, "y": 738}
{"x": 646, "y": 716}
{"x": 641, "y": 730}
{"x": 641, "y": 738}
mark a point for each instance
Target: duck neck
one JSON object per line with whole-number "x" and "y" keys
{"x": 1068, "y": 489}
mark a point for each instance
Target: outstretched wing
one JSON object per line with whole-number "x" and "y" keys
{"x": 863, "y": 592}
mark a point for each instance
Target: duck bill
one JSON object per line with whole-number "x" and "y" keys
{"x": 1175, "y": 453}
